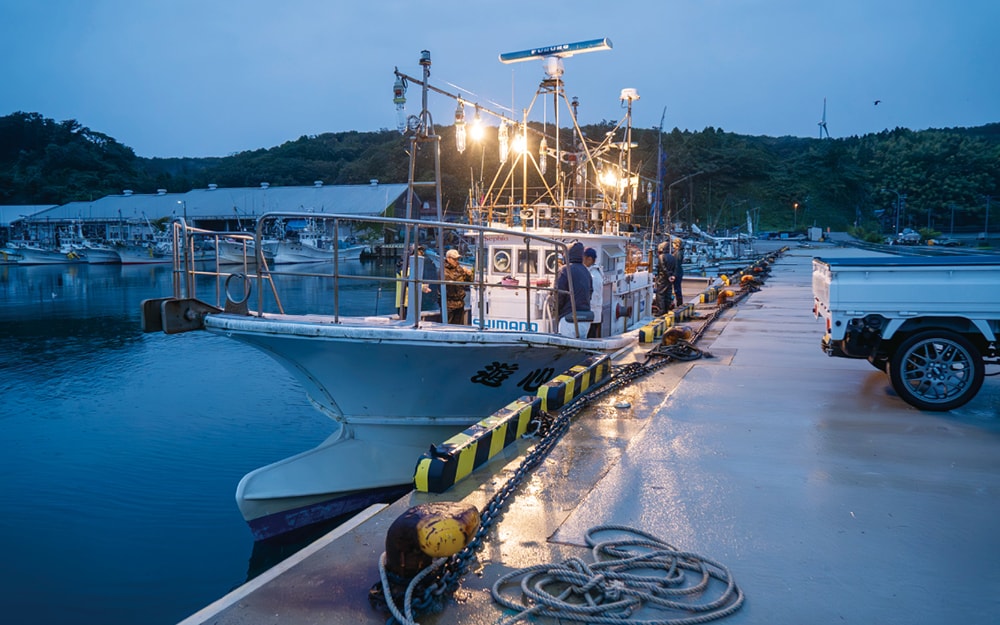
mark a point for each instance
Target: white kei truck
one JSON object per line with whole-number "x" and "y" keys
{"x": 930, "y": 322}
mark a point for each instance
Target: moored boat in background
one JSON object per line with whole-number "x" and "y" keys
{"x": 240, "y": 249}
{"x": 33, "y": 254}
{"x": 9, "y": 256}
{"x": 141, "y": 253}
{"x": 312, "y": 245}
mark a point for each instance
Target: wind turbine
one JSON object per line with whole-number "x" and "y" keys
{"x": 822, "y": 123}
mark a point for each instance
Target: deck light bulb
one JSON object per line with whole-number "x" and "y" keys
{"x": 460, "y": 127}
{"x": 399, "y": 99}
{"x": 520, "y": 143}
{"x": 476, "y": 130}
{"x": 608, "y": 178}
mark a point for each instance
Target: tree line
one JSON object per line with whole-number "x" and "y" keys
{"x": 934, "y": 178}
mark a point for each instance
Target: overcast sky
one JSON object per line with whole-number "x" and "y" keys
{"x": 215, "y": 77}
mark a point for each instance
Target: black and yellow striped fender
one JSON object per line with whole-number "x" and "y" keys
{"x": 450, "y": 462}
{"x": 684, "y": 313}
{"x": 562, "y": 389}
{"x": 652, "y": 331}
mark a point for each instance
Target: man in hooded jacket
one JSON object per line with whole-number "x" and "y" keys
{"x": 583, "y": 288}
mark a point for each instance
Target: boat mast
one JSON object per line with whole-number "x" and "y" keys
{"x": 422, "y": 127}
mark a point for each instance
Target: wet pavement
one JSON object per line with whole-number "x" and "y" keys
{"x": 828, "y": 498}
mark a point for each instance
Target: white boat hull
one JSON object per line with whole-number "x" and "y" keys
{"x": 292, "y": 252}
{"x": 142, "y": 255}
{"x": 385, "y": 425}
{"x": 240, "y": 252}
{"x": 101, "y": 256}
{"x": 342, "y": 475}
{"x": 473, "y": 373}
{"x": 39, "y": 256}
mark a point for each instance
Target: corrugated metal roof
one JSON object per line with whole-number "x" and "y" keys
{"x": 14, "y": 212}
{"x": 225, "y": 203}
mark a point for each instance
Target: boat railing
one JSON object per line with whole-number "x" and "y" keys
{"x": 411, "y": 277}
{"x": 569, "y": 216}
{"x": 189, "y": 263}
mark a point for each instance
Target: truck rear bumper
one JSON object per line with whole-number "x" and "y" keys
{"x": 836, "y": 348}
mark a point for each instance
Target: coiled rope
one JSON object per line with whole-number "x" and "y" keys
{"x": 635, "y": 572}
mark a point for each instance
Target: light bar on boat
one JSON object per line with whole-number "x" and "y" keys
{"x": 562, "y": 50}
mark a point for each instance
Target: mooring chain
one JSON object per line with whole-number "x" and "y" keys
{"x": 550, "y": 430}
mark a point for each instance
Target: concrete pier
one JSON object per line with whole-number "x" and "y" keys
{"x": 828, "y": 498}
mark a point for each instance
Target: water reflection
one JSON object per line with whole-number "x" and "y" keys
{"x": 120, "y": 451}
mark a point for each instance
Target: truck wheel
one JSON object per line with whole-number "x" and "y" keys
{"x": 936, "y": 370}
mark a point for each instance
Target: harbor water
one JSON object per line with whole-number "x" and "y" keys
{"x": 120, "y": 451}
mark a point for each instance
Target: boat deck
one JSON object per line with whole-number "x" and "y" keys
{"x": 828, "y": 498}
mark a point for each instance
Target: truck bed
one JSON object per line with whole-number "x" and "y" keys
{"x": 907, "y": 286}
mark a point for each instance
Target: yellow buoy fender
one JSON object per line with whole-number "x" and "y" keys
{"x": 427, "y": 531}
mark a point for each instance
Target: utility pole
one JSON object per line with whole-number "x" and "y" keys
{"x": 900, "y": 203}
{"x": 986, "y": 228}
{"x": 670, "y": 190}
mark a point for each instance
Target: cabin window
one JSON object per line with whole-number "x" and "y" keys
{"x": 615, "y": 258}
{"x": 527, "y": 261}
{"x": 501, "y": 259}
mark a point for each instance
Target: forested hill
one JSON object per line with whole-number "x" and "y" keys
{"x": 782, "y": 181}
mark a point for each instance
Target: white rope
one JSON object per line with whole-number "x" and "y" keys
{"x": 633, "y": 572}
{"x": 407, "y": 618}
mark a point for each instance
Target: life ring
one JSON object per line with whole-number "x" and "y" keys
{"x": 501, "y": 261}
{"x": 552, "y": 261}
{"x": 247, "y": 288}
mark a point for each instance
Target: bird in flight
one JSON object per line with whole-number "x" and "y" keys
{"x": 877, "y": 101}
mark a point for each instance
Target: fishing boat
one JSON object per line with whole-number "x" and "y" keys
{"x": 312, "y": 245}
{"x": 241, "y": 249}
{"x": 9, "y": 256}
{"x": 94, "y": 252}
{"x": 397, "y": 383}
{"x": 31, "y": 253}
{"x": 98, "y": 253}
{"x": 141, "y": 253}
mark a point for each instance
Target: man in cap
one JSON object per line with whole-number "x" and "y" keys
{"x": 455, "y": 293}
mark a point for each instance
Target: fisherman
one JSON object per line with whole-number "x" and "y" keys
{"x": 597, "y": 298}
{"x": 678, "y": 271}
{"x": 431, "y": 298}
{"x": 455, "y": 293}
{"x": 665, "y": 277}
{"x": 583, "y": 287}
